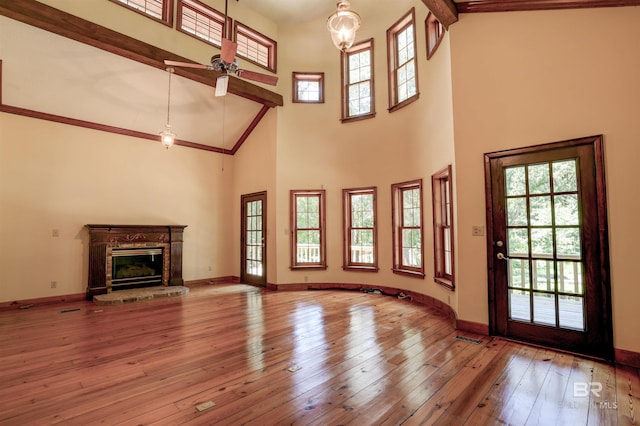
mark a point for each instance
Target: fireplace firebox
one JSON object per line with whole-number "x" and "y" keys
{"x": 133, "y": 256}
{"x": 136, "y": 267}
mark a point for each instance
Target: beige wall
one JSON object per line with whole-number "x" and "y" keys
{"x": 255, "y": 171}
{"x": 315, "y": 150}
{"x": 528, "y": 78}
{"x": 54, "y": 176}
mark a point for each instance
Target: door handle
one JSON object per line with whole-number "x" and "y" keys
{"x": 502, "y": 256}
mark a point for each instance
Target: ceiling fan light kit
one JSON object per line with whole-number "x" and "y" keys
{"x": 343, "y": 25}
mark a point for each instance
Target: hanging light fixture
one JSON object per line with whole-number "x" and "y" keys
{"x": 167, "y": 137}
{"x": 342, "y": 25}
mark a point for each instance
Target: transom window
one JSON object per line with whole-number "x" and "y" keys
{"x": 403, "y": 72}
{"x": 160, "y": 10}
{"x": 357, "y": 82}
{"x": 408, "y": 253}
{"x": 360, "y": 229}
{"x": 308, "y": 87}
{"x": 443, "y": 228}
{"x": 255, "y": 47}
{"x": 201, "y": 21}
{"x": 308, "y": 245}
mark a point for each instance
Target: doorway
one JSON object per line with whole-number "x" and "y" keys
{"x": 547, "y": 246}
{"x": 253, "y": 239}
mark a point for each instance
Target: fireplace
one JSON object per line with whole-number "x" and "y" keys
{"x": 133, "y": 256}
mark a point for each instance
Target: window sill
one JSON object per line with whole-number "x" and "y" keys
{"x": 360, "y": 268}
{"x": 449, "y": 285}
{"x": 408, "y": 273}
{"x": 307, "y": 267}
{"x": 404, "y": 103}
{"x": 358, "y": 117}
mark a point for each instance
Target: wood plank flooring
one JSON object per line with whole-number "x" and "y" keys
{"x": 276, "y": 358}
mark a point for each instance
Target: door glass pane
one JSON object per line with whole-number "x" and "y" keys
{"x": 540, "y": 211}
{"x": 539, "y": 182}
{"x": 543, "y": 275}
{"x": 544, "y": 308}
{"x": 568, "y": 243}
{"x": 516, "y": 181}
{"x": 518, "y": 242}
{"x": 571, "y": 312}
{"x": 570, "y": 277}
{"x": 542, "y": 242}
{"x": 517, "y": 211}
{"x": 564, "y": 176}
{"x": 519, "y": 273}
{"x": 566, "y": 209}
{"x": 519, "y": 305}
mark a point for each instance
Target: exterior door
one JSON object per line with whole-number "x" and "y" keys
{"x": 253, "y": 239}
{"x": 548, "y": 247}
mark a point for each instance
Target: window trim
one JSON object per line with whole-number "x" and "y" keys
{"x": 397, "y": 211}
{"x": 167, "y": 12}
{"x": 392, "y": 58}
{"x": 270, "y": 44}
{"x": 293, "y": 194}
{"x": 443, "y": 177}
{"x": 434, "y": 31}
{"x": 344, "y": 78}
{"x": 298, "y": 77}
{"x": 347, "y": 263}
{"x": 211, "y": 13}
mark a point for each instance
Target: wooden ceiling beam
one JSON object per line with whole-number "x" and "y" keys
{"x": 62, "y": 23}
{"x": 481, "y": 6}
{"x": 444, "y": 10}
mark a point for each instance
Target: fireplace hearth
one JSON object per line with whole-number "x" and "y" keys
{"x": 134, "y": 256}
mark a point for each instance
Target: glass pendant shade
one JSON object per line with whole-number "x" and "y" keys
{"x": 167, "y": 137}
{"x": 343, "y": 25}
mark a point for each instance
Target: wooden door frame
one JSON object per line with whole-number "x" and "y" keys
{"x": 243, "y": 229}
{"x": 603, "y": 238}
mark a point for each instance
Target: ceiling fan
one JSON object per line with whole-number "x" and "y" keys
{"x": 226, "y": 63}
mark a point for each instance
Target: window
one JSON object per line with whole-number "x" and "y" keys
{"x": 255, "y": 47}
{"x": 308, "y": 87}
{"x": 435, "y": 34}
{"x": 308, "y": 229}
{"x": 201, "y": 21}
{"x": 408, "y": 257}
{"x": 403, "y": 67}
{"x": 357, "y": 82}
{"x": 360, "y": 231}
{"x": 443, "y": 228}
{"x": 160, "y": 10}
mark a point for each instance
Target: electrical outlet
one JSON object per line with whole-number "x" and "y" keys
{"x": 55, "y": 232}
{"x": 54, "y": 284}
{"x": 306, "y": 278}
{"x": 477, "y": 231}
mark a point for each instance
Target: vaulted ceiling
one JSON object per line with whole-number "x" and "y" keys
{"x": 118, "y": 71}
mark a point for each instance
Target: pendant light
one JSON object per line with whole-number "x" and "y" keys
{"x": 342, "y": 25}
{"x": 167, "y": 137}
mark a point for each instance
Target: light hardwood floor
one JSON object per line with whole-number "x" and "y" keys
{"x": 356, "y": 358}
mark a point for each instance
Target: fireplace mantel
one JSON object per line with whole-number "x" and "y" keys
{"x": 103, "y": 238}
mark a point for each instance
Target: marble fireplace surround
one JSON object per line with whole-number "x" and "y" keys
{"x": 104, "y": 238}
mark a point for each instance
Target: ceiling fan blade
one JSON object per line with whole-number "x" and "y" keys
{"x": 259, "y": 77}
{"x": 228, "y": 51}
{"x": 186, "y": 65}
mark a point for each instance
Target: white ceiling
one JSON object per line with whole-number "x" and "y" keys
{"x": 292, "y": 11}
